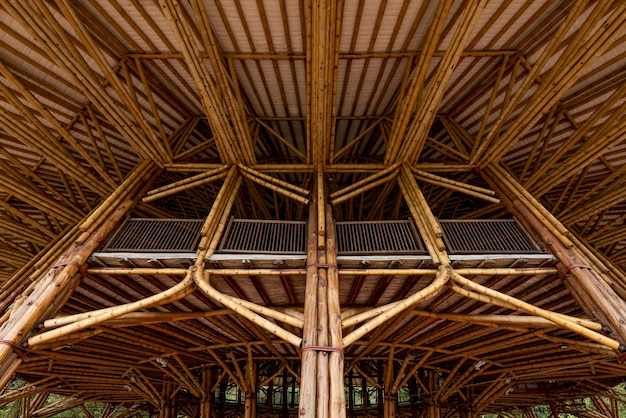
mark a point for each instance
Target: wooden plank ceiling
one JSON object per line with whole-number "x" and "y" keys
{"x": 90, "y": 88}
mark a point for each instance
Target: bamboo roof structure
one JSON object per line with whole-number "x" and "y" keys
{"x": 312, "y": 111}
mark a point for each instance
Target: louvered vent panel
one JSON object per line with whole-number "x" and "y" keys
{"x": 156, "y": 235}
{"x": 486, "y": 237}
{"x": 381, "y": 237}
{"x": 272, "y": 237}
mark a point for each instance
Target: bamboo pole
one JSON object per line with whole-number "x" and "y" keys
{"x": 587, "y": 285}
{"x": 336, "y": 358}
{"x": 275, "y": 188}
{"x": 25, "y": 316}
{"x": 440, "y": 281}
{"x": 366, "y": 181}
{"x": 274, "y": 180}
{"x": 308, "y": 387}
{"x": 188, "y": 180}
{"x": 187, "y": 186}
{"x": 364, "y": 188}
{"x": 526, "y": 307}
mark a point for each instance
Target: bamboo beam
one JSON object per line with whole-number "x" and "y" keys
{"x": 588, "y": 44}
{"x": 427, "y": 108}
{"x": 323, "y": 28}
{"x": 37, "y": 19}
{"x": 212, "y": 90}
{"x": 526, "y": 307}
{"x": 48, "y": 143}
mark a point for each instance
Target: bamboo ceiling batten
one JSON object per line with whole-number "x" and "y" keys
{"x": 312, "y": 208}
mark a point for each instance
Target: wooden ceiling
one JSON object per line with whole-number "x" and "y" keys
{"x": 91, "y": 88}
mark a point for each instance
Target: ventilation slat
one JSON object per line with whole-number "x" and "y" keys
{"x": 501, "y": 236}
{"x": 156, "y": 235}
{"x": 264, "y": 237}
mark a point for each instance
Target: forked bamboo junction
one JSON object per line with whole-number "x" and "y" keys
{"x": 313, "y": 208}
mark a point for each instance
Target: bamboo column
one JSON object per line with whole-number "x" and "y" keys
{"x": 168, "y": 407}
{"x": 251, "y": 390}
{"x": 206, "y": 402}
{"x": 322, "y": 383}
{"x": 585, "y": 278}
{"x": 51, "y": 290}
{"x": 308, "y": 387}
{"x": 390, "y": 398}
{"x": 434, "y": 410}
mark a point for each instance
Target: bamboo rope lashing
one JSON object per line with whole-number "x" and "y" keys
{"x": 524, "y": 306}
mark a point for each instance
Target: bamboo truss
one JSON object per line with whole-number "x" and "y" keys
{"x": 314, "y": 112}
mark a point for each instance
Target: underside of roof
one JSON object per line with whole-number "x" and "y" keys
{"x": 93, "y": 91}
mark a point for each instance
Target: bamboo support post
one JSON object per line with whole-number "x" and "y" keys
{"x": 336, "y": 358}
{"x": 90, "y": 319}
{"x": 308, "y": 383}
{"x": 586, "y": 284}
{"x": 25, "y": 316}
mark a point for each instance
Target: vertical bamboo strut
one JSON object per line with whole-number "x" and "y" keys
{"x": 308, "y": 387}
{"x": 336, "y": 362}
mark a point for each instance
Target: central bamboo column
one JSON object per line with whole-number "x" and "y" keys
{"x": 322, "y": 385}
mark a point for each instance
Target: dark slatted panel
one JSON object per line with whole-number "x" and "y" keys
{"x": 272, "y": 237}
{"x": 380, "y": 237}
{"x": 486, "y": 237}
{"x": 156, "y": 235}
